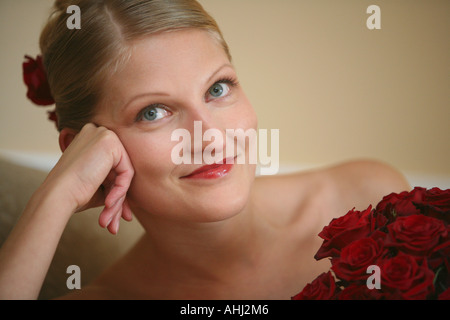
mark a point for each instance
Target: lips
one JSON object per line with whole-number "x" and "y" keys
{"x": 212, "y": 171}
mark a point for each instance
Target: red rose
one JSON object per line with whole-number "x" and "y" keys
{"x": 401, "y": 204}
{"x": 417, "y": 234}
{"x": 403, "y": 274}
{"x": 378, "y": 220}
{"x": 407, "y": 236}
{"x": 53, "y": 117}
{"x": 445, "y": 295}
{"x": 436, "y": 203}
{"x": 355, "y": 258}
{"x": 440, "y": 254}
{"x": 35, "y": 78}
{"x": 322, "y": 288}
{"x": 342, "y": 231}
{"x": 360, "y": 292}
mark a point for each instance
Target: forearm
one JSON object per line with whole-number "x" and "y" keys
{"x": 94, "y": 157}
{"x": 27, "y": 253}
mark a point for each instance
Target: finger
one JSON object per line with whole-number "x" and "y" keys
{"x": 127, "y": 214}
{"x": 108, "y": 213}
{"x": 113, "y": 227}
{"x": 124, "y": 174}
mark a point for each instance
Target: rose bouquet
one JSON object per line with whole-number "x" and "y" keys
{"x": 398, "y": 251}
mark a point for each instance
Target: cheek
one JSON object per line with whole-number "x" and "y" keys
{"x": 254, "y": 118}
{"x": 251, "y": 119}
{"x": 243, "y": 116}
{"x": 146, "y": 150}
{"x": 150, "y": 156}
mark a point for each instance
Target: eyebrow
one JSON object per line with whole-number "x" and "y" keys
{"x": 165, "y": 94}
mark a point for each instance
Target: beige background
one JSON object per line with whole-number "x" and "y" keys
{"x": 312, "y": 69}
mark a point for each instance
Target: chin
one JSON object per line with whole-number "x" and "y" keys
{"x": 200, "y": 201}
{"x": 207, "y": 209}
{"x": 217, "y": 202}
{"x": 220, "y": 208}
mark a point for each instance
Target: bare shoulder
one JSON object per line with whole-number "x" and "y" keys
{"x": 310, "y": 199}
{"x": 365, "y": 182}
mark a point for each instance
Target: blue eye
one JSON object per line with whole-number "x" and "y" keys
{"x": 152, "y": 113}
{"x": 216, "y": 90}
{"x": 219, "y": 89}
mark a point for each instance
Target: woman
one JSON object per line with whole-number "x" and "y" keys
{"x": 135, "y": 72}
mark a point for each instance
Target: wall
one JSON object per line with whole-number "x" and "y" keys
{"x": 334, "y": 88}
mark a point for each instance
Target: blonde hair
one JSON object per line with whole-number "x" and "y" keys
{"x": 78, "y": 61}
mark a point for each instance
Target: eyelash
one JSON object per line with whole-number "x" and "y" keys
{"x": 140, "y": 116}
{"x": 232, "y": 82}
{"x": 229, "y": 80}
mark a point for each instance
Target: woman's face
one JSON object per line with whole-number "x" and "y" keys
{"x": 171, "y": 81}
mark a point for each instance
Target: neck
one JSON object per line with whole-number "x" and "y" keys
{"x": 211, "y": 248}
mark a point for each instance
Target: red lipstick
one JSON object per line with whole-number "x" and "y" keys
{"x": 212, "y": 171}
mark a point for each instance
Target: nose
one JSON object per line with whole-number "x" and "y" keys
{"x": 206, "y": 132}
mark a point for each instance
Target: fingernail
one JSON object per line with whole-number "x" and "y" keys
{"x": 109, "y": 221}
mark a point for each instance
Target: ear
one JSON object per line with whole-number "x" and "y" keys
{"x": 66, "y": 137}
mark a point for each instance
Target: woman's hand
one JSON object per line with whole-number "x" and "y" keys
{"x": 91, "y": 158}
{"x": 95, "y": 170}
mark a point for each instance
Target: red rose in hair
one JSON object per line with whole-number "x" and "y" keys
{"x": 53, "y": 117}
{"x": 322, "y": 288}
{"x": 35, "y": 78}
{"x": 417, "y": 234}
{"x": 342, "y": 231}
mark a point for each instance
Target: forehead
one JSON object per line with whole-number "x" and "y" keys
{"x": 160, "y": 60}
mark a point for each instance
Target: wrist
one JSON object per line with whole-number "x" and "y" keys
{"x": 53, "y": 198}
